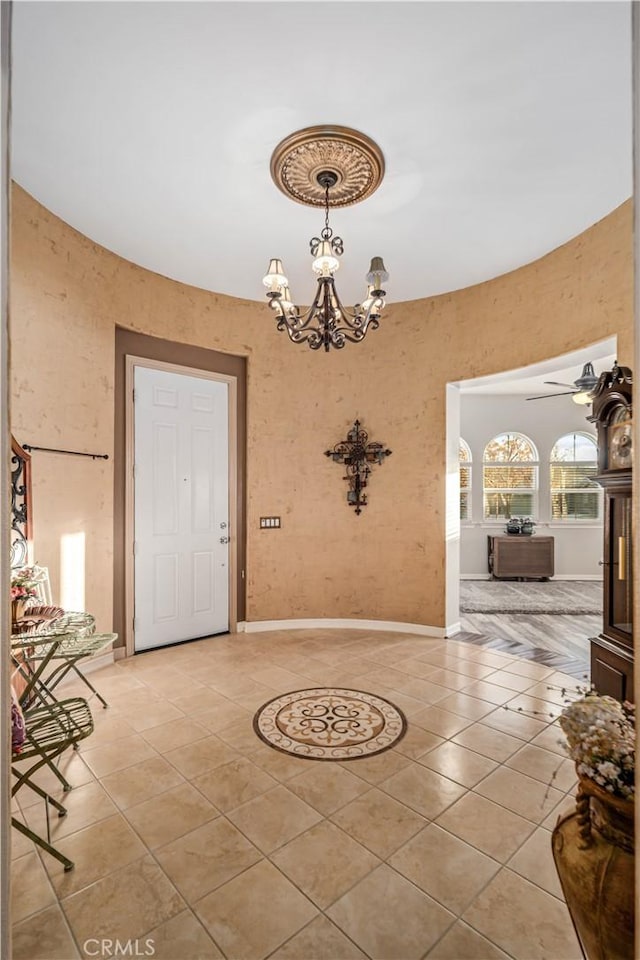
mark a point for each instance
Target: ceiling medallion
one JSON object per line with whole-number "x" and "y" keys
{"x": 331, "y": 176}
{"x": 352, "y": 157}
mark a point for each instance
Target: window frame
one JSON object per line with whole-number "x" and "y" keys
{"x": 596, "y": 493}
{"x": 534, "y": 463}
{"x": 468, "y": 463}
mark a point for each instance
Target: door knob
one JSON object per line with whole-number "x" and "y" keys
{"x": 224, "y": 539}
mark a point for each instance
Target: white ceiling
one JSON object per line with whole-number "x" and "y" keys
{"x": 530, "y": 381}
{"x": 506, "y": 129}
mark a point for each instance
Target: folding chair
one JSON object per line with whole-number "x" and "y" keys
{"x": 30, "y": 659}
{"x": 84, "y": 624}
{"x": 79, "y": 641}
{"x": 31, "y": 655}
{"x": 73, "y": 648}
{"x": 49, "y": 731}
{"x": 39, "y": 618}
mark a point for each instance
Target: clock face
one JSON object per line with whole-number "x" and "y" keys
{"x": 620, "y": 439}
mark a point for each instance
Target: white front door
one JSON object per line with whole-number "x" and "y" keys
{"x": 181, "y": 507}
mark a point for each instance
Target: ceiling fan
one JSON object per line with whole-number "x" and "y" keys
{"x": 580, "y": 390}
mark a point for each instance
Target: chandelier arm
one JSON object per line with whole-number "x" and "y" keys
{"x": 356, "y": 319}
{"x": 326, "y": 323}
{"x": 356, "y": 334}
{"x": 298, "y": 325}
{"x": 283, "y": 322}
{"x": 356, "y": 323}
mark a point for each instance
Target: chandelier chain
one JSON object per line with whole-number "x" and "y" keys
{"x": 327, "y": 231}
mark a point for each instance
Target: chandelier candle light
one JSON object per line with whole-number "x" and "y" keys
{"x": 307, "y": 166}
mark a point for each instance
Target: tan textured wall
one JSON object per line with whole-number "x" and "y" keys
{"x": 68, "y": 294}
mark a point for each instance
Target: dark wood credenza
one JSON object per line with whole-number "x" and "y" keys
{"x": 520, "y": 557}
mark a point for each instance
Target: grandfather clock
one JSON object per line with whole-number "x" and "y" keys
{"x": 612, "y": 651}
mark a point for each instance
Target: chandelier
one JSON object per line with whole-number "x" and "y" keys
{"x": 307, "y": 166}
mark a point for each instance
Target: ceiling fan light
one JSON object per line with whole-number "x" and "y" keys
{"x": 582, "y": 397}
{"x": 587, "y": 380}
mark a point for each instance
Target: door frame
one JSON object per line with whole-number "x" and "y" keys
{"x": 129, "y": 499}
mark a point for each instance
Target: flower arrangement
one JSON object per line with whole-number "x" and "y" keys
{"x": 24, "y": 584}
{"x": 601, "y": 737}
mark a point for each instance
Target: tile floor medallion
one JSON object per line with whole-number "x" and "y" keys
{"x": 330, "y": 723}
{"x": 190, "y": 834}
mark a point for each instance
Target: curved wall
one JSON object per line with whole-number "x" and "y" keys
{"x": 68, "y": 295}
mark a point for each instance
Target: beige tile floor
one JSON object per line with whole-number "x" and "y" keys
{"x": 190, "y": 834}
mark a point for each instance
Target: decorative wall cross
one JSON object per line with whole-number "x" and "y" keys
{"x": 356, "y": 453}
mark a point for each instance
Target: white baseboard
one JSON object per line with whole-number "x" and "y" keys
{"x": 578, "y": 576}
{"x": 421, "y": 629}
{"x": 452, "y": 629}
{"x": 93, "y": 663}
{"x": 241, "y": 626}
{"x": 557, "y": 576}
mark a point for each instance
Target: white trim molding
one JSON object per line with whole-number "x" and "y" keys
{"x": 96, "y": 663}
{"x": 577, "y": 576}
{"x": 421, "y": 629}
{"x": 556, "y": 576}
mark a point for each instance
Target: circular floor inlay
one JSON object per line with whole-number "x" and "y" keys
{"x": 330, "y": 723}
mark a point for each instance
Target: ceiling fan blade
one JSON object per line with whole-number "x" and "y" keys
{"x": 556, "y": 383}
{"x": 544, "y": 396}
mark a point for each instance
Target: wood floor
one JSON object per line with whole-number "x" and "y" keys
{"x": 561, "y": 641}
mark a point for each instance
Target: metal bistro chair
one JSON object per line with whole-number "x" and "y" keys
{"x": 49, "y": 731}
{"x": 30, "y": 657}
{"x": 79, "y": 641}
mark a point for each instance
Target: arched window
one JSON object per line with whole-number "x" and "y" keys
{"x": 574, "y": 463}
{"x": 510, "y": 477}
{"x": 464, "y": 457}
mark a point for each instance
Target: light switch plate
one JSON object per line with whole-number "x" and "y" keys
{"x": 269, "y": 523}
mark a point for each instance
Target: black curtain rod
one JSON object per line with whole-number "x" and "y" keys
{"x": 73, "y": 453}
